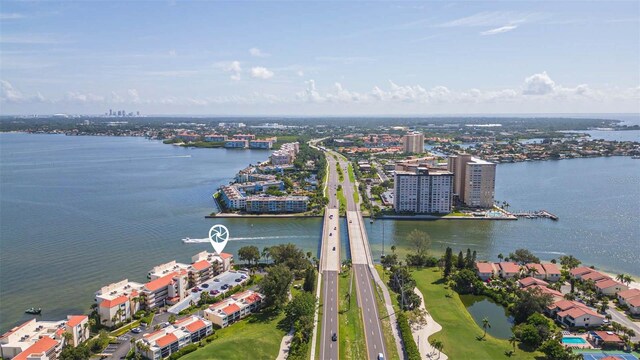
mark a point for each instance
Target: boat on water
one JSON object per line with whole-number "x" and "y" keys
{"x": 33, "y": 311}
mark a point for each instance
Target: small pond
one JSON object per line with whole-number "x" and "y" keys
{"x": 481, "y": 306}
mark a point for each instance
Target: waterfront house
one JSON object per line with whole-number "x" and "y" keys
{"x": 78, "y": 327}
{"x": 552, "y": 272}
{"x": 260, "y": 144}
{"x": 508, "y": 269}
{"x": 276, "y": 204}
{"x": 238, "y": 306}
{"x": 188, "y": 136}
{"x": 630, "y": 298}
{"x": 164, "y": 342}
{"x": 117, "y": 302}
{"x": 609, "y": 286}
{"x": 485, "y": 270}
{"x": 593, "y": 275}
{"x": 574, "y": 314}
{"x": 578, "y": 272}
{"x": 236, "y": 144}
{"x": 215, "y": 138}
{"x": 244, "y": 136}
{"x": 536, "y": 270}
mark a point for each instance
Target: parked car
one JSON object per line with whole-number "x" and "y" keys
{"x": 164, "y": 324}
{"x": 216, "y": 280}
{"x": 136, "y": 330}
{"x": 214, "y": 292}
{"x": 194, "y": 290}
{"x": 205, "y": 285}
{"x": 238, "y": 280}
{"x": 243, "y": 277}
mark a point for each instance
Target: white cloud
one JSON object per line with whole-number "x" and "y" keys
{"x": 133, "y": 94}
{"x": 310, "y": 94}
{"x": 500, "y": 30}
{"x": 233, "y": 68}
{"x": 11, "y": 16}
{"x": 77, "y": 97}
{"x": 261, "y": 73}
{"x": 9, "y": 94}
{"x": 172, "y": 53}
{"x": 493, "y": 18}
{"x": 300, "y": 73}
{"x": 539, "y": 84}
{"x": 255, "y": 52}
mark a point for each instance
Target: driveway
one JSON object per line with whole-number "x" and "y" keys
{"x": 621, "y": 317}
{"x": 215, "y": 283}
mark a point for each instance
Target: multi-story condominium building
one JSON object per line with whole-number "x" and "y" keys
{"x": 262, "y": 144}
{"x": 166, "y": 290}
{"x": 474, "y": 181}
{"x": 219, "y": 263}
{"x": 244, "y": 136}
{"x": 285, "y": 155}
{"x": 413, "y": 143}
{"x": 232, "y": 309}
{"x": 276, "y": 204}
{"x": 118, "y": 302}
{"x": 423, "y": 191}
{"x": 166, "y": 268}
{"x": 43, "y": 340}
{"x": 215, "y": 137}
{"x": 164, "y": 342}
{"x": 236, "y": 144}
{"x": 232, "y": 198}
{"x": 188, "y": 136}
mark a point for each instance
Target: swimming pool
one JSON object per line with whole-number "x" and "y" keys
{"x": 573, "y": 340}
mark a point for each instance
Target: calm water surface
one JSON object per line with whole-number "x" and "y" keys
{"x": 481, "y": 307}
{"x": 77, "y": 213}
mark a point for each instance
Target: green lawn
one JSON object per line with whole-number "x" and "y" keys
{"x": 341, "y": 199}
{"x": 459, "y": 331}
{"x": 356, "y": 197}
{"x": 352, "y": 176}
{"x": 389, "y": 341}
{"x": 352, "y": 343}
{"x": 258, "y": 335}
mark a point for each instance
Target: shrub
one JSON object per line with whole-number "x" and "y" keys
{"x": 410, "y": 346}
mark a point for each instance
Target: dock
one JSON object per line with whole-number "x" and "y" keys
{"x": 540, "y": 214}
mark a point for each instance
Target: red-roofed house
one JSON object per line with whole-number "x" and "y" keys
{"x": 78, "y": 327}
{"x": 594, "y": 275}
{"x": 578, "y": 272}
{"x": 536, "y": 271}
{"x": 44, "y": 349}
{"x": 609, "y": 286}
{"x": 485, "y": 270}
{"x": 508, "y": 269}
{"x": 630, "y": 298}
{"x": 164, "y": 342}
{"x": 552, "y": 271}
{"x": 528, "y": 281}
{"x": 606, "y": 339}
{"x": 580, "y": 316}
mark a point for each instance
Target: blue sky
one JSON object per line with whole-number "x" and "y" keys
{"x": 319, "y": 58}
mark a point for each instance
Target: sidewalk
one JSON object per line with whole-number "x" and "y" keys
{"x": 422, "y": 333}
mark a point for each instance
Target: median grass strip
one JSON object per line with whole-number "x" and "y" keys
{"x": 352, "y": 343}
{"x": 459, "y": 331}
{"x": 352, "y": 176}
{"x": 341, "y": 199}
{"x": 259, "y": 335}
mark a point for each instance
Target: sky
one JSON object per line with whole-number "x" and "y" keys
{"x": 319, "y": 58}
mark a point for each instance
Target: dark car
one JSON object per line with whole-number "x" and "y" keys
{"x": 334, "y": 248}
{"x": 214, "y": 292}
{"x": 238, "y": 280}
{"x": 205, "y": 285}
{"x": 224, "y": 287}
{"x": 216, "y": 280}
{"x": 194, "y": 290}
{"x": 334, "y": 337}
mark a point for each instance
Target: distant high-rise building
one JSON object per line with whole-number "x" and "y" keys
{"x": 474, "y": 180}
{"x": 413, "y": 143}
{"x": 423, "y": 190}
{"x": 110, "y": 112}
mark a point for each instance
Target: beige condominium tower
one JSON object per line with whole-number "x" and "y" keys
{"x": 413, "y": 143}
{"x": 474, "y": 180}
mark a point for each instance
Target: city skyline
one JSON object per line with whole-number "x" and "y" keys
{"x": 400, "y": 58}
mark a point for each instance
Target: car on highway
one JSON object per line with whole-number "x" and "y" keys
{"x": 380, "y": 356}
{"x": 350, "y": 221}
{"x": 136, "y": 330}
{"x": 334, "y": 248}
{"x": 335, "y": 228}
{"x": 334, "y": 337}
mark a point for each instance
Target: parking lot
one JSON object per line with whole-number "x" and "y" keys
{"x": 215, "y": 284}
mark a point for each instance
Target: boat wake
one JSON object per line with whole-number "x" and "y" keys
{"x": 206, "y": 240}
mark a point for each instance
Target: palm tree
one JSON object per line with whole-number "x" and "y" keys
{"x": 68, "y": 338}
{"x": 533, "y": 271}
{"x": 393, "y": 249}
{"x": 500, "y": 257}
{"x": 266, "y": 253}
{"x": 485, "y": 325}
{"x": 620, "y": 277}
{"x": 627, "y": 279}
{"x": 513, "y": 340}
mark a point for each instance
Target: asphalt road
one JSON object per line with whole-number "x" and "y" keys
{"x": 329, "y": 349}
{"x": 369, "y": 308}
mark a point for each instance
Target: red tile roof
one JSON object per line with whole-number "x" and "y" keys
{"x": 16, "y": 328}
{"x": 195, "y": 326}
{"x": 546, "y": 290}
{"x": 594, "y": 275}
{"x": 551, "y": 269}
{"x": 579, "y": 271}
{"x": 564, "y": 304}
{"x": 576, "y": 312}
{"x": 606, "y": 337}
{"x": 634, "y": 301}
{"x": 159, "y": 283}
{"x": 114, "y": 302}
{"x": 628, "y": 294}
{"x": 166, "y": 340}
{"x": 538, "y": 267}
{"x": 484, "y": 267}
{"x": 74, "y": 320}
{"x": 528, "y": 281}
{"x": 225, "y": 255}
{"x": 607, "y": 283}
{"x": 201, "y": 265}
{"x": 232, "y": 308}
{"x": 509, "y": 267}
{"x": 41, "y": 346}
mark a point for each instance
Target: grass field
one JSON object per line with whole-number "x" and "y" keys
{"x": 258, "y": 335}
{"x": 459, "y": 331}
{"x": 341, "y": 199}
{"x": 352, "y": 343}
